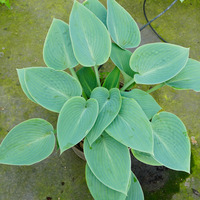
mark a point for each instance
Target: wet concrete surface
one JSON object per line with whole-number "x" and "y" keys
{"x": 22, "y": 33}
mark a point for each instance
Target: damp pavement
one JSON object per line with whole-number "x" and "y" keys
{"x": 22, "y": 33}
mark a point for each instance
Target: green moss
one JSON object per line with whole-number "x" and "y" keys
{"x": 22, "y": 37}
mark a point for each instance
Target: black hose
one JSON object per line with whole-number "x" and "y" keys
{"x": 148, "y": 22}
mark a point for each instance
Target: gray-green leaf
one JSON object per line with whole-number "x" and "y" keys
{"x": 21, "y": 75}
{"x": 171, "y": 142}
{"x": 97, "y": 8}
{"x": 109, "y": 106}
{"x": 121, "y": 58}
{"x": 158, "y": 62}
{"x": 131, "y": 127}
{"x": 57, "y": 52}
{"x": 75, "y": 120}
{"x": 135, "y": 191}
{"x": 145, "y": 158}
{"x": 51, "y": 88}
{"x": 188, "y": 77}
{"x": 145, "y": 100}
{"x": 122, "y": 27}
{"x": 109, "y": 161}
{"x": 90, "y": 39}
{"x": 27, "y": 143}
{"x": 100, "y": 191}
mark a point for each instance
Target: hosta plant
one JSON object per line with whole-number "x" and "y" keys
{"x": 109, "y": 119}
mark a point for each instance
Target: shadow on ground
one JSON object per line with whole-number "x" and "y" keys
{"x": 22, "y": 33}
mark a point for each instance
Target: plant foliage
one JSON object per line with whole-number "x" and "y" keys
{"x": 6, "y": 2}
{"x": 109, "y": 119}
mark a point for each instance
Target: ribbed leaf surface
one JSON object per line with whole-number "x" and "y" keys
{"x": 121, "y": 58}
{"x": 188, "y": 77}
{"x": 171, "y": 142}
{"x": 131, "y": 127}
{"x": 97, "y": 8}
{"x": 50, "y": 88}
{"x": 90, "y": 39}
{"x": 109, "y": 106}
{"x": 21, "y": 77}
{"x": 27, "y": 143}
{"x": 75, "y": 120}
{"x": 122, "y": 27}
{"x": 145, "y": 158}
{"x": 158, "y": 62}
{"x": 57, "y": 51}
{"x": 109, "y": 161}
{"x": 145, "y": 100}
{"x": 98, "y": 190}
{"x": 135, "y": 191}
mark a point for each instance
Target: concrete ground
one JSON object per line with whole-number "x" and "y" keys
{"x": 22, "y": 33}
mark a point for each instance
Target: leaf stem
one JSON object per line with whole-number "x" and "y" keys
{"x": 76, "y": 77}
{"x": 97, "y": 75}
{"x": 73, "y": 73}
{"x": 155, "y": 88}
{"x": 127, "y": 84}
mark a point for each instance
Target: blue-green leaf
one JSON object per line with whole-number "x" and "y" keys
{"x": 87, "y": 79}
{"x": 171, "y": 142}
{"x": 188, "y": 77}
{"x": 100, "y": 191}
{"x": 131, "y": 127}
{"x": 145, "y": 100}
{"x": 90, "y": 39}
{"x": 27, "y": 143}
{"x": 135, "y": 191}
{"x": 158, "y": 62}
{"x": 75, "y": 120}
{"x": 121, "y": 58}
{"x": 109, "y": 106}
{"x": 97, "y": 8}
{"x": 51, "y": 88}
{"x": 109, "y": 161}
{"x": 145, "y": 158}
{"x": 122, "y": 27}
{"x": 21, "y": 74}
{"x": 57, "y": 51}
{"x": 112, "y": 80}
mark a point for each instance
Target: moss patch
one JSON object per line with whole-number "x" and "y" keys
{"x": 23, "y": 31}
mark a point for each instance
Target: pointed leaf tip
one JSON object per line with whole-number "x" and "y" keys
{"x": 171, "y": 142}
{"x": 107, "y": 168}
{"x": 122, "y": 27}
{"x": 21, "y": 76}
{"x": 90, "y": 39}
{"x": 57, "y": 51}
{"x": 97, "y": 8}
